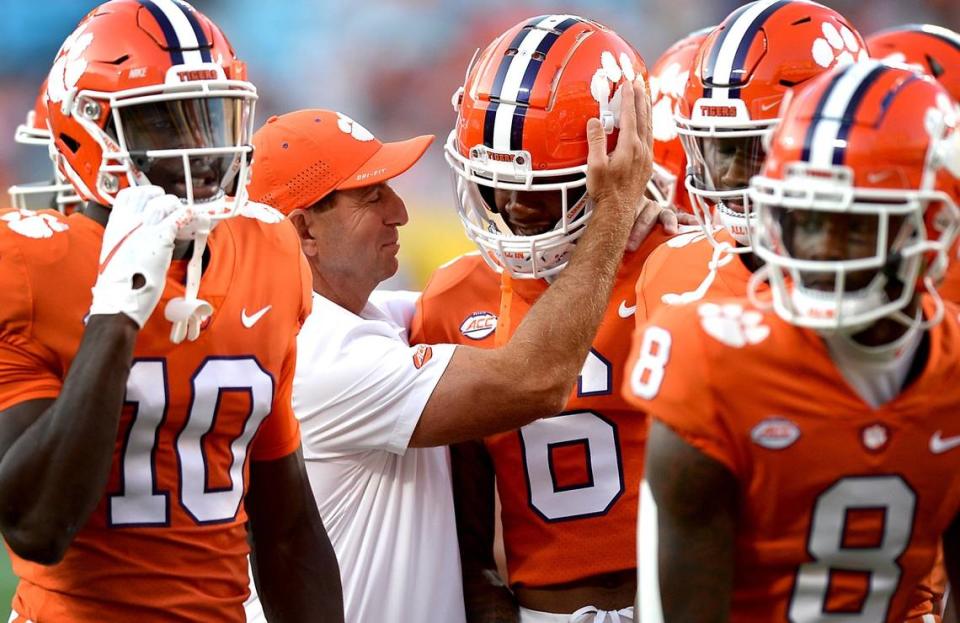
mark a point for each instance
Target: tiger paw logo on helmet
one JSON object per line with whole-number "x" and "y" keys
{"x": 837, "y": 47}
{"x": 33, "y": 224}
{"x": 354, "y": 129}
{"x": 604, "y": 89}
{"x": 732, "y": 325}
{"x": 70, "y": 64}
{"x": 665, "y": 90}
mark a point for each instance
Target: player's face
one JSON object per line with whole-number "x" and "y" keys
{"x": 183, "y": 124}
{"x": 359, "y": 234}
{"x": 529, "y": 213}
{"x": 825, "y": 236}
{"x": 731, "y": 162}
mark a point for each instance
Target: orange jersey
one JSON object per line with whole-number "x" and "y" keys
{"x": 568, "y": 485}
{"x": 167, "y": 540}
{"x": 841, "y": 506}
{"x": 678, "y": 271}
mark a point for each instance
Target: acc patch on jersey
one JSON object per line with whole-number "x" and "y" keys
{"x": 775, "y": 433}
{"x": 422, "y": 356}
{"x": 478, "y": 325}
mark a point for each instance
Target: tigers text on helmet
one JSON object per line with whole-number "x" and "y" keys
{"x": 858, "y": 200}
{"x": 668, "y": 79}
{"x": 732, "y": 98}
{"x": 150, "y": 92}
{"x": 56, "y": 192}
{"x": 934, "y": 49}
{"x": 521, "y": 137}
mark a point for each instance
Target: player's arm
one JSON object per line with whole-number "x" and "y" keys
{"x": 55, "y": 455}
{"x": 951, "y": 558}
{"x": 294, "y": 564}
{"x": 487, "y": 598}
{"x": 696, "y": 504}
{"x": 486, "y": 391}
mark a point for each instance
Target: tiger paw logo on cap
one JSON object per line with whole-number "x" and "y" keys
{"x": 354, "y": 129}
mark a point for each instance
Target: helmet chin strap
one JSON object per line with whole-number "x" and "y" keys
{"x": 187, "y": 312}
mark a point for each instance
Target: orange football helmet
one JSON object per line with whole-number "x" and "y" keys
{"x": 936, "y": 50}
{"x": 150, "y": 92}
{"x": 859, "y": 192}
{"x": 34, "y": 131}
{"x": 521, "y": 126}
{"x": 741, "y": 74}
{"x": 668, "y": 79}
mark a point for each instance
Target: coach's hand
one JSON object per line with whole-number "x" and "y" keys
{"x": 616, "y": 181}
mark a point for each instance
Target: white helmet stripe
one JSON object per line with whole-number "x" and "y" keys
{"x": 838, "y": 100}
{"x": 189, "y": 44}
{"x": 735, "y": 34}
{"x": 511, "y": 84}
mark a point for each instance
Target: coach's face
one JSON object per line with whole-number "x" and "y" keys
{"x": 354, "y": 234}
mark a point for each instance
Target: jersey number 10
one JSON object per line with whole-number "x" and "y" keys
{"x": 140, "y": 501}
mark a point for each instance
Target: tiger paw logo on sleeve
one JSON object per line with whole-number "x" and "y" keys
{"x": 33, "y": 225}
{"x": 730, "y": 324}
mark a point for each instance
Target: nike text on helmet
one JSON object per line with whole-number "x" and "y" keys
{"x": 733, "y": 96}
{"x": 864, "y": 170}
{"x": 521, "y": 127}
{"x": 150, "y": 92}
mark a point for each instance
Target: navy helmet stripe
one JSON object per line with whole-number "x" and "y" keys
{"x": 204, "y": 45}
{"x": 489, "y": 120}
{"x": 528, "y": 80}
{"x": 817, "y": 114}
{"x": 169, "y": 33}
{"x": 718, "y": 42}
{"x": 740, "y": 58}
{"x": 850, "y": 114}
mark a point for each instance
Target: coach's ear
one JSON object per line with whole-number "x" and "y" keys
{"x": 302, "y": 222}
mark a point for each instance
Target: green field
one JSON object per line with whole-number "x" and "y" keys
{"x": 8, "y": 582}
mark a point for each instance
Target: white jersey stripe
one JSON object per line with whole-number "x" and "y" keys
{"x": 181, "y": 26}
{"x": 512, "y": 81}
{"x": 825, "y": 134}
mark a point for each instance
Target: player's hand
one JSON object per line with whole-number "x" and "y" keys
{"x": 136, "y": 252}
{"x": 616, "y": 181}
{"x": 651, "y": 213}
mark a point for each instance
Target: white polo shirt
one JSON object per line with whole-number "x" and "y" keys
{"x": 358, "y": 392}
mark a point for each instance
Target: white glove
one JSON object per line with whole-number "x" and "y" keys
{"x": 136, "y": 252}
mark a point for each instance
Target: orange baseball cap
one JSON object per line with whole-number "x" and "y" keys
{"x": 301, "y": 157}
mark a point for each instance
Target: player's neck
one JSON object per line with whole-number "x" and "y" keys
{"x": 750, "y": 261}
{"x": 887, "y": 330}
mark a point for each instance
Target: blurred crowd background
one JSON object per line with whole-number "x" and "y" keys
{"x": 390, "y": 64}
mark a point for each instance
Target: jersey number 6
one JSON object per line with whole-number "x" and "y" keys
{"x": 591, "y": 436}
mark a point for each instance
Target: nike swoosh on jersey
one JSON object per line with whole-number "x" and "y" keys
{"x": 626, "y": 312}
{"x": 249, "y": 321}
{"x": 939, "y": 445}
